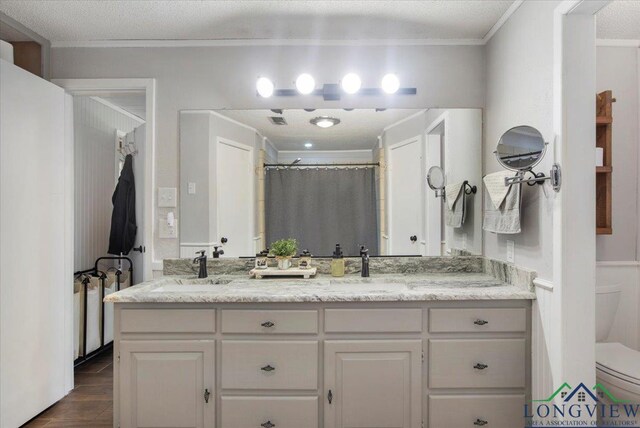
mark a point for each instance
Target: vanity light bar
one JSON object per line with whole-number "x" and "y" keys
{"x": 329, "y": 91}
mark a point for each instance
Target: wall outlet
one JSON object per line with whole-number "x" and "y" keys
{"x": 464, "y": 241}
{"x": 167, "y": 197}
{"x": 167, "y": 232}
{"x": 511, "y": 250}
{"x": 191, "y": 188}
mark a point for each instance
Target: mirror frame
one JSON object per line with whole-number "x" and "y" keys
{"x": 429, "y": 178}
{"x": 533, "y": 165}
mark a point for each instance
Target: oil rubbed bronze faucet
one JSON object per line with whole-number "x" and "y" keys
{"x": 202, "y": 272}
{"x": 364, "y": 254}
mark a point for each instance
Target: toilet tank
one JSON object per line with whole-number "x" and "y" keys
{"x": 607, "y": 302}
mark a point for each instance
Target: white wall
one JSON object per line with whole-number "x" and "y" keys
{"x": 224, "y": 77}
{"x": 520, "y": 59}
{"x": 617, "y": 70}
{"x": 95, "y": 126}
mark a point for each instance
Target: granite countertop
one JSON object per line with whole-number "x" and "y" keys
{"x": 323, "y": 288}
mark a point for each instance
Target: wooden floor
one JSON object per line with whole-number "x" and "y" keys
{"x": 89, "y": 405}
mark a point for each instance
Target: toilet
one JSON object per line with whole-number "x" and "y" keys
{"x": 617, "y": 367}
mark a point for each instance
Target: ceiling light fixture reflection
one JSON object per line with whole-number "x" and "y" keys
{"x": 390, "y": 83}
{"x": 324, "y": 121}
{"x": 308, "y": 145}
{"x": 305, "y": 83}
{"x": 265, "y": 87}
{"x": 351, "y": 83}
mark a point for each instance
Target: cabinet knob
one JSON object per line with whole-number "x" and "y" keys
{"x": 267, "y": 368}
{"x": 480, "y": 322}
{"x": 207, "y": 394}
{"x": 480, "y": 366}
{"x": 480, "y": 423}
{"x": 268, "y": 324}
{"x": 224, "y": 240}
{"x": 413, "y": 238}
{"x": 267, "y": 424}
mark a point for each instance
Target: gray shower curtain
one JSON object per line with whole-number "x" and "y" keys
{"x": 321, "y": 207}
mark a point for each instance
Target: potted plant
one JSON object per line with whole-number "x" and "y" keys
{"x": 283, "y": 250}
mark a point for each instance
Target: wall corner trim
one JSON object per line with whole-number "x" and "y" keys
{"x": 504, "y": 18}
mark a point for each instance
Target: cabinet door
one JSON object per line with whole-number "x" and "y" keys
{"x": 167, "y": 384}
{"x": 373, "y": 384}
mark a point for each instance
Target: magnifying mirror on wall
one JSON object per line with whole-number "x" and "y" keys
{"x": 520, "y": 149}
{"x": 435, "y": 180}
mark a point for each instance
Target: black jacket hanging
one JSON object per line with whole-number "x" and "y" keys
{"x": 123, "y": 218}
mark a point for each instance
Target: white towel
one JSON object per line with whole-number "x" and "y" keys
{"x": 452, "y": 193}
{"x": 494, "y": 183}
{"x": 506, "y": 218}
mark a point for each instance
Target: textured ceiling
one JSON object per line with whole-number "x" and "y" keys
{"x": 88, "y": 20}
{"x": 619, "y": 20}
{"x": 358, "y": 130}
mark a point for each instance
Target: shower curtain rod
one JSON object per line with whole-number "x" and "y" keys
{"x": 311, "y": 165}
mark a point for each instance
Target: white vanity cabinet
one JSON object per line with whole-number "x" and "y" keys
{"x": 440, "y": 364}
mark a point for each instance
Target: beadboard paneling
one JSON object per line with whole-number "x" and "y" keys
{"x": 95, "y": 126}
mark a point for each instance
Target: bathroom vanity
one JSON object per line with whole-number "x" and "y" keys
{"x": 402, "y": 350}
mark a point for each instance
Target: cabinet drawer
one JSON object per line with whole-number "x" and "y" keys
{"x": 498, "y": 411}
{"x": 269, "y": 364}
{"x": 269, "y": 322}
{"x": 168, "y": 321}
{"x": 279, "y": 412}
{"x": 372, "y": 320}
{"x": 480, "y": 319}
{"x": 492, "y": 363}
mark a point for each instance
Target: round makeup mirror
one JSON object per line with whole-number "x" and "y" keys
{"x": 435, "y": 178}
{"x": 521, "y": 148}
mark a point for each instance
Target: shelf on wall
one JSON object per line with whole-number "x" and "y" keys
{"x": 604, "y": 124}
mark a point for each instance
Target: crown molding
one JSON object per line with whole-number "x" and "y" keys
{"x": 504, "y": 18}
{"x": 621, "y": 43}
{"x": 262, "y": 42}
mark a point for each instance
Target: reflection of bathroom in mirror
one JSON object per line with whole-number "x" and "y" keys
{"x": 326, "y": 176}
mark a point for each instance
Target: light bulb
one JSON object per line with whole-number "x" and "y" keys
{"x": 305, "y": 84}
{"x": 308, "y": 145}
{"x": 390, "y": 83}
{"x": 265, "y": 87}
{"x": 351, "y": 83}
{"x": 324, "y": 123}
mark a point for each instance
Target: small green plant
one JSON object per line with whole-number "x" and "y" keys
{"x": 284, "y": 248}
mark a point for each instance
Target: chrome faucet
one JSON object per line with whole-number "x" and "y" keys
{"x": 202, "y": 272}
{"x": 364, "y": 254}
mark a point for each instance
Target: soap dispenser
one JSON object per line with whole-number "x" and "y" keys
{"x": 337, "y": 263}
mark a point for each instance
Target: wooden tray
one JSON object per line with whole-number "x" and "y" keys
{"x": 293, "y": 271}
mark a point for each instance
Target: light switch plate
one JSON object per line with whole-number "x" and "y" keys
{"x": 167, "y": 232}
{"x": 191, "y": 188}
{"x": 167, "y": 197}
{"x": 511, "y": 250}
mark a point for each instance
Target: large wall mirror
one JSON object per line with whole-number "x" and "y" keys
{"x": 326, "y": 176}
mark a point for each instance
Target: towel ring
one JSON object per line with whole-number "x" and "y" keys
{"x": 469, "y": 189}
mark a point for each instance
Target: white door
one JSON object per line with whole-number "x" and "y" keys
{"x": 406, "y": 196}
{"x": 434, "y": 236}
{"x": 167, "y": 383}
{"x": 35, "y": 281}
{"x": 137, "y": 255}
{"x": 373, "y": 383}
{"x": 234, "y": 185}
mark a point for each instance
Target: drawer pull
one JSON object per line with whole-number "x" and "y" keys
{"x": 207, "y": 394}
{"x": 480, "y": 322}
{"x": 480, "y": 366}
{"x": 480, "y": 422}
{"x": 267, "y": 424}
{"x": 268, "y": 324}
{"x": 267, "y": 368}
{"x": 330, "y": 396}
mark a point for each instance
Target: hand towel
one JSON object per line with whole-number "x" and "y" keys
{"x": 505, "y": 218}
{"x": 494, "y": 183}
{"x": 452, "y": 193}
{"x": 455, "y": 207}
